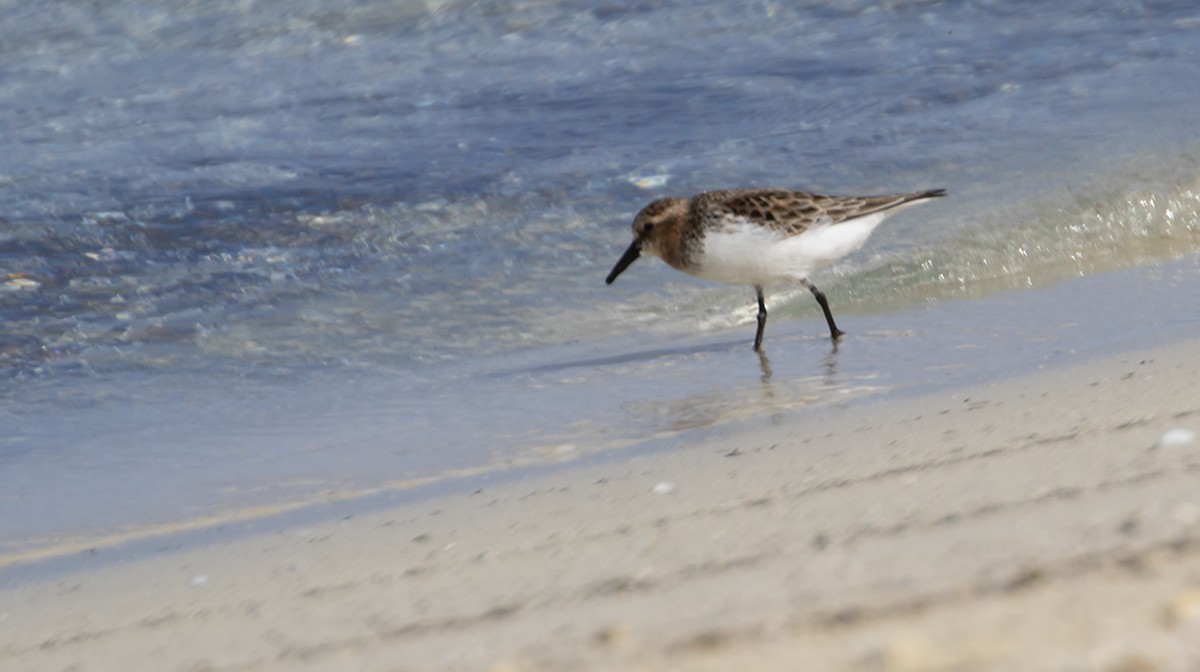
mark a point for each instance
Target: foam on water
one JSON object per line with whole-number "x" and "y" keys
{"x": 385, "y": 285}
{"x": 1036, "y": 243}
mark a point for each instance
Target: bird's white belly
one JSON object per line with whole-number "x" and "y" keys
{"x": 746, "y": 252}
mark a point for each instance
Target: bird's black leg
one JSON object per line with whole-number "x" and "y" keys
{"x": 834, "y": 332}
{"x": 762, "y": 319}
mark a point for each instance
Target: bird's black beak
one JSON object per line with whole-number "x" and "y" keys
{"x": 631, "y": 255}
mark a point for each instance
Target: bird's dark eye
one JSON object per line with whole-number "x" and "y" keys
{"x": 648, "y": 227}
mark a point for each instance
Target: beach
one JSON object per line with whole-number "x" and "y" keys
{"x": 1047, "y": 521}
{"x": 308, "y": 361}
{"x": 259, "y": 257}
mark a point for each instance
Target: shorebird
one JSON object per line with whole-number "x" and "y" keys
{"x": 760, "y": 237}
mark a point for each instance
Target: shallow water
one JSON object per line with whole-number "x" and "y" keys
{"x": 256, "y": 252}
{"x": 222, "y": 463}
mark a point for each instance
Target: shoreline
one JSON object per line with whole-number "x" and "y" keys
{"x": 1020, "y": 524}
{"x": 690, "y": 392}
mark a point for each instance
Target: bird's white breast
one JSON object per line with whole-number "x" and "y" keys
{"x": 744, "y": 251}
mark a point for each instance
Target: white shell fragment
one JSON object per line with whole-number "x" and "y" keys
{"x": 1176, "y": 437}
{"x": 663, "y": 488}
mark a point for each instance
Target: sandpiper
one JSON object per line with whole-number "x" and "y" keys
{"x": 760, "y": 237}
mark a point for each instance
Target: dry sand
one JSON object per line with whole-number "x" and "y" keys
{"x": 1032, "y": 524}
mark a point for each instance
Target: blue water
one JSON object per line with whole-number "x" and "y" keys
{"x": 272, "y": 251}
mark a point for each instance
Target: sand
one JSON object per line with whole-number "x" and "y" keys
{"x": 1037, "y": 523}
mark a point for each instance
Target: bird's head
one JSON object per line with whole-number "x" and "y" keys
{"x": 649, "y": 228}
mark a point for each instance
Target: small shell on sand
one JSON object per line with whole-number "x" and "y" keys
{"x": 1176, "y": 437}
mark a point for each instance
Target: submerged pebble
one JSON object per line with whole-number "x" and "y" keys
{"x": 20, "y": 284}
{"x": 649, "y": 181}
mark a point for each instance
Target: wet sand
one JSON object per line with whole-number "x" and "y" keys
{"x": 1037, "y": 523}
